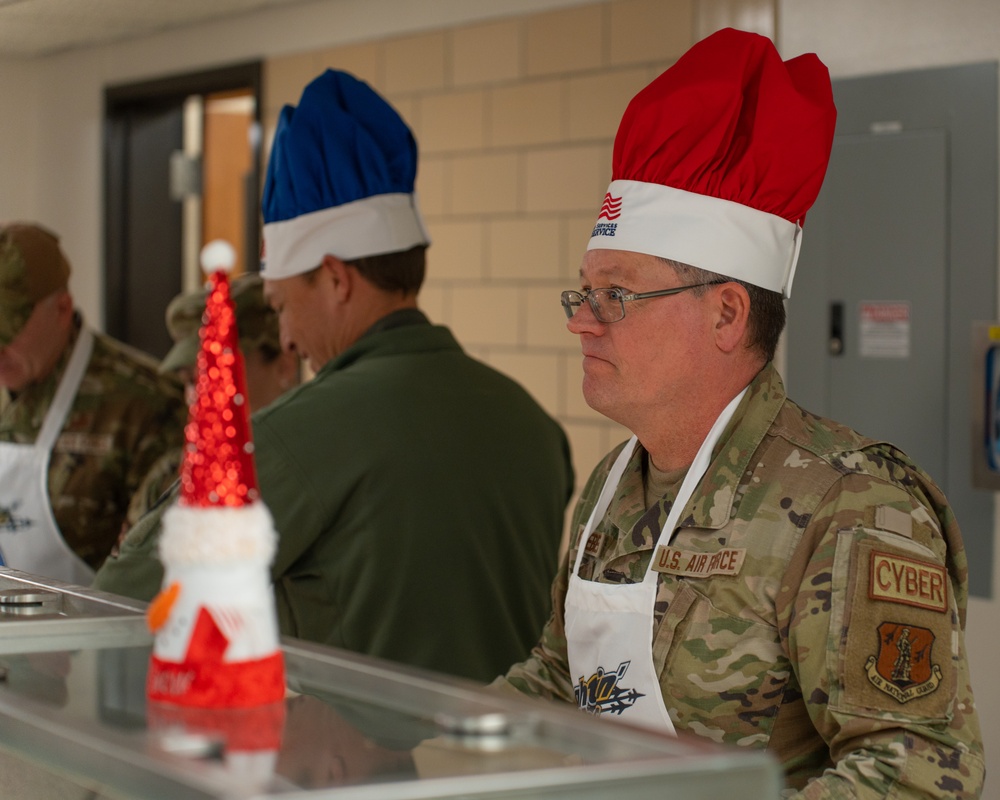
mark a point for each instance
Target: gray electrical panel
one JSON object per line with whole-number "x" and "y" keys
{"x": 899, "y": 256}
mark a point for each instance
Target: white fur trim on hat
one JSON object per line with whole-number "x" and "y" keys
{"x": 702, "y": 231}
{"x": 217, "y": 534}
{"x": 383, "y": 223}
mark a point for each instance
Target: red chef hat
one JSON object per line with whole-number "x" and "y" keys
{"x": 717, "y": 161}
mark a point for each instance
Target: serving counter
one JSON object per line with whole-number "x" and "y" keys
{"x": 74, "y": 723}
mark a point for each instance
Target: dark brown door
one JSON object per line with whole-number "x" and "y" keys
{"x": 146, "y": 226}
{"x": 143, "y": 224}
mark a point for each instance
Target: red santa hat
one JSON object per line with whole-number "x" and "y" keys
{"x": 717, "y": 161}
{"x": 216, "y": 628}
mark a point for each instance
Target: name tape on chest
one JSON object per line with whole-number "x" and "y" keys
{"x": 898, "y": 579}
{"x": 85, "y": 444}
{"x": 694, "y": 564}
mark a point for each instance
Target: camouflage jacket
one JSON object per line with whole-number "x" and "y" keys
{"x": 160, "y": 478}
{"x": 124, "y": 418}
{"x": 812, "y": 601}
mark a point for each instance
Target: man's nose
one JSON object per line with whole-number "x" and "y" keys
{"x": 584, "y": 321}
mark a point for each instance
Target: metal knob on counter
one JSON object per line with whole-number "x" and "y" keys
{"x": 29, "y": 602}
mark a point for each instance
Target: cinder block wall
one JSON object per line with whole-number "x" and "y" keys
{"x": 515, "y": 121}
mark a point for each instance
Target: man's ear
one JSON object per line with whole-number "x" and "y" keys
{"x": 64, "y": 306}
{"x": 732, "y": 306}
{"x": 340, "y": 275}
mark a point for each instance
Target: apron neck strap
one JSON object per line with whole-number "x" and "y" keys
{"x": 691, "y": 480}
{"x": 63, "y": 399}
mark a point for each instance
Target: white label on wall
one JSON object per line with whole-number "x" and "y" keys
{"x": 884, "y": 330}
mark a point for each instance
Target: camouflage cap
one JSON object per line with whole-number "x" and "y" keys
{"x": 32, "y": 266}
{"x": 256, "y": 320}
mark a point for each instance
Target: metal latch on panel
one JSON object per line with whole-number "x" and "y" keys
{"x": 986, "y": 405}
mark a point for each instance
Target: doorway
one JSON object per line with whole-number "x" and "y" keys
{"x": 182, "y": 167}
{"x": 900, "y": 257}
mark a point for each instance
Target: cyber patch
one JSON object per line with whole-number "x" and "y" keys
{"x": 902, "y": 668}
{"x": 898, "y": 579}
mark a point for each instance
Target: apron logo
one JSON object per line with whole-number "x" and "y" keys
{"x": 903, "y": 669}
{"x": 11, "y": 523}
{"x": 601, "y": 693}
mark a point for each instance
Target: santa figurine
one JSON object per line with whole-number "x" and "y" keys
{"x": 214, "y": 620}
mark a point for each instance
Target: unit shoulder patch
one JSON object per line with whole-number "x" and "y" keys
{"x": 896, "y": 641}
{"x": 903, "y": 668}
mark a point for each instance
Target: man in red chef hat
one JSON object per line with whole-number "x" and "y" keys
{"x": 742, "y": 569}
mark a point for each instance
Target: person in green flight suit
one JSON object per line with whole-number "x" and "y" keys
{"x": 419, "y": 495}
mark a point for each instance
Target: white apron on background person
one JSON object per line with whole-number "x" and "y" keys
{"x": 29, "y": 536}
{"x": 609, "y": 626}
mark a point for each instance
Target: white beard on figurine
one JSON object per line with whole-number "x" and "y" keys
{"x": 216, "y": 635}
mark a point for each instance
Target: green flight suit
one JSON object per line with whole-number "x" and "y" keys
{"x": 419, "y": 499}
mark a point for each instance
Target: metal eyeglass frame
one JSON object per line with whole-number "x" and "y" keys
{"x": 572, "y": 300}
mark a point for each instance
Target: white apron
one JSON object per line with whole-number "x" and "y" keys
{"x": 29, "y": 536}
{"x": 609, "y": 626}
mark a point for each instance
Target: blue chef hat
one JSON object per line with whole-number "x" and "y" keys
{"x": 339, "y": 180}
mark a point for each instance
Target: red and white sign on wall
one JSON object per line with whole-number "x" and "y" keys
{"x": 884, "y": 329}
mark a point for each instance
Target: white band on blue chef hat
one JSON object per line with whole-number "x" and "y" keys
{"x": 384, "y": 223}
{"x": 701, "y": 231}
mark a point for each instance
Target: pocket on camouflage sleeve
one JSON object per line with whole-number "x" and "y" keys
{"x": 893, "y": 603}
{"x": 724, "y": 677}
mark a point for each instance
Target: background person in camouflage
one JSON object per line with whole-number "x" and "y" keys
{"x": 270, "y": 370}
{"x": 741, "y": 569}
{"x": 82, "y": 417}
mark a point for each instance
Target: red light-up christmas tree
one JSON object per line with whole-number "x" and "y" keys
{"x": 216, "y": 635}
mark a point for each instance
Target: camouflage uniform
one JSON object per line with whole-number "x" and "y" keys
{"x": 161, "y": 476}
{"x": 124, "y": 418}
{"x": 807, "y": 564}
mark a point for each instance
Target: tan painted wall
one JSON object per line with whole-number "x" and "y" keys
{"x": 515, "y": 120}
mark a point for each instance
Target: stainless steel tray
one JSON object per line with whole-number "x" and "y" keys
{"x": 74, "y": 723}
{"x": 40, "y": 613}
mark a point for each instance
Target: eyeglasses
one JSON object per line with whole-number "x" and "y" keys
{"x": 608, "y": 305}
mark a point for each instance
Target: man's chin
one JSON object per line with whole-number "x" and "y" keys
{"x": 597, "y": 397}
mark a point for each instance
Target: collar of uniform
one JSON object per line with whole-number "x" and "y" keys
{"x": 421, "y": 336}
{"x": 397, "y": 319}
{"x": 712, "y": 502}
